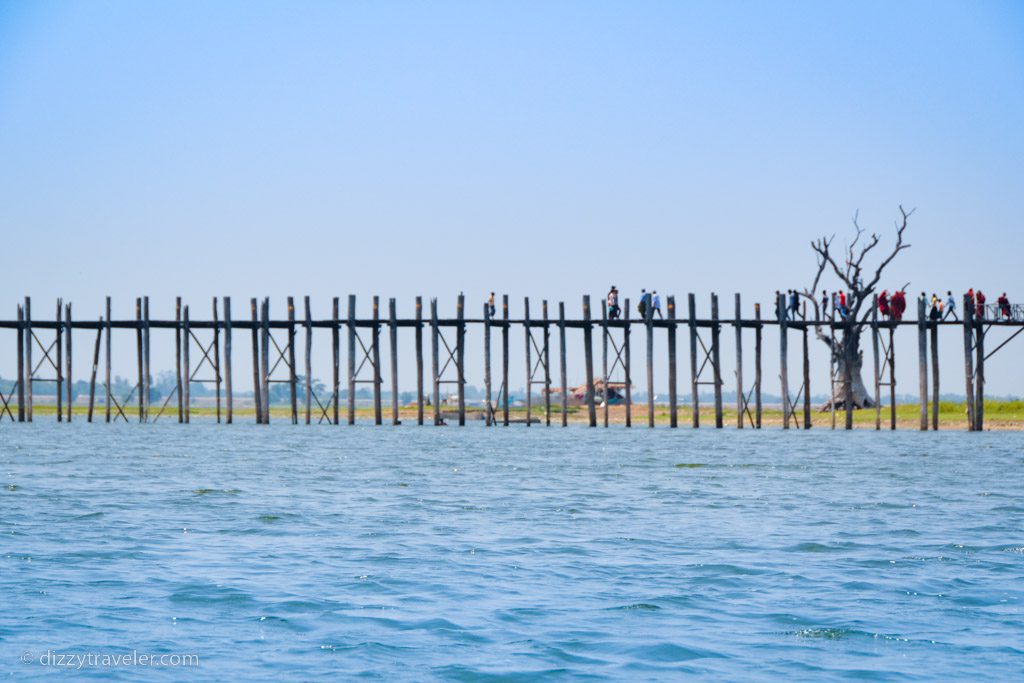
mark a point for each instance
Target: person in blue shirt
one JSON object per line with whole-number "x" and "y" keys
{"x": 656, "y": 305}
{"x": 950, "y": 305}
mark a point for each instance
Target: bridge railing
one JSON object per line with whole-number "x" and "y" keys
{"x": 1012, "y": 312}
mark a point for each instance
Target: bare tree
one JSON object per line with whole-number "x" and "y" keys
{"x": 849, "y": 268}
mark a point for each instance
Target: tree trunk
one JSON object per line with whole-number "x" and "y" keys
{"x": 846, "y": 351}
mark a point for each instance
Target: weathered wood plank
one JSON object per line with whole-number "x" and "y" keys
{"x": 673, "y": 390}
{"x": 716, "y": 360}
{"x": 257, "y": 385}
{"x": 393, "y": 344}
{"x": 95, "y": 368}
{"x": 922, "y": 364}
{"x": 460, "y": 357}
{"x": 694, "y": 377}
{"x": 588, "y": 350}
{"x": 229, "y": 391}
{"x": 308, "y": 334}
{"x": 563, "y": 375}
{"x": 185, "y": 366}
{"x": 293, "y": 380}
{"x": 419, "y": 360}
{"x": 378, "y": 416}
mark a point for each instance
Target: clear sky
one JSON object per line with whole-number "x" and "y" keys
{"x": 544, "y": 149}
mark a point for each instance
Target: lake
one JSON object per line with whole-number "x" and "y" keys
{"x": 412, "y": 553}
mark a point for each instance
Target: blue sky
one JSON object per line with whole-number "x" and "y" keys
{"x": 539, "y": 149}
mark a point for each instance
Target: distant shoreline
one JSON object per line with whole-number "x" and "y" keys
{"x": 999, "y": 415}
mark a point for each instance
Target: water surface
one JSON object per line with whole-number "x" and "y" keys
{"x": 294, "y": 553}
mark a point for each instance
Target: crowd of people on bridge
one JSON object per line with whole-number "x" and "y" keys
{"x": 649, "y": 305}
{"x": 890, "y": 306}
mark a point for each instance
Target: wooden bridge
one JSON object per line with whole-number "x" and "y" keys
{"x": 272, "y": 352}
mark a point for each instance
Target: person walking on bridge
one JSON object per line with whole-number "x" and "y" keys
{"x": 1004, "y": 306}
{"x": 656, "y": 305}
{"x": 613, "y": 304}
{"x": 899, "y": 304}
{"x": 935, "y": 313}
{"x": 950, "y": 305}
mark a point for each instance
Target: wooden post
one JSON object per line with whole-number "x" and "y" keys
{"x": 979, "y": 381}
{"x": 419, "y": 360}
{"x": 969, "y": 361}
{"x": 186, "y": 367}
{"x": 878, "y": 370}
{"x": 604, "y": 360}
{"x": 142, "y": 371}
{"x": 177, "y": 358}
{"x": 335, "y": 359}
{"x": 935, "y": 374}
{"x": 694, "y": 386}
{"x": 649, "y": 326}
{"x": 95, "y": 367}
{"x": 29, "y": 367}
{"x": 847, "y": 374}
{"x": 757, "y": 366}
{"x": 627, "y": 366}
{"x": 378, "y": 416}
{"x": 460, "y": 357}
{"x": 832, "y": 372}
{"x": 351, "y": 359}
{"x": 504, "y": 357}
{"x": 293, "y": 385}
{"x": 716, "y": 359}
{"x": 807, "y": 375}
{"x": 673, "y": 408}
{"x": 393, "y": 338}
{"x": 435, "y": 362}
{"x": 545, "y": 350}
{"x": 309, "y": 360}
{"x": 67, "y": 377}
{"x": 739, "y": 364}
{"x": 892, "y": 377}
{"x": 257, "y": 385}
{"x": 59, "y": 343}
{"x": 147, "y": 368}
{"x": 588, "y": 350}
{"x": 562, "y": 369}
{"x": 229, "y": 394}
{"x": 922, "y": 364}
{"x": 21, "y": 364}
{"x": 783, "y": 359}
{"x": 489, "y": 410}
{"x": 216, "y": 354}
{"x": 265, "y": 359}
{"x": 106, "y": 342}
{"x": 529, "y": 365}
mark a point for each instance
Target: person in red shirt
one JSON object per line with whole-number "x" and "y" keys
{"x": 899, "y": 304}
{"x": 1004, "y": 306}
{"x": 980, "y": 298}
{"x": 883, "y": 303}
